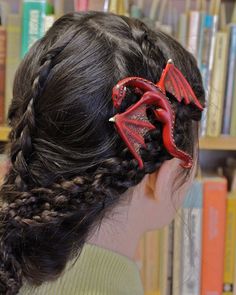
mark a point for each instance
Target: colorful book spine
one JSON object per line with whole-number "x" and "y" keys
{"x": 230, "y": 245}
{"x": 151, "y": 262}
{"x": 34, "y": 12}
{"x": 81, "y": 5}
{"x": 213, "y": 235}
{"x": 217, "y": 92}
{"x": 113, "y": 6}
{"x": 210, "y": 29}
{"x": 230, "y": 81}
{"x": 2, "y": 70}
{"x": 204, "y": 62}
{"x": 13, "y": 55}
{"x": 191, "y": 243}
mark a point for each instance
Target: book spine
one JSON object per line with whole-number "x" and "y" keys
{"x": 33, "y": 23}
{"x": 177, "y": 265}
{"x": 230, "y": 245}
{"x": 4, "y": 167}
{"x": 193, "y": 35}
{"x": 2, "y": 71}
{"x": 49, "y": 21}
{"x": 204, "y": 63}
{"x": 140, "y": 257}
{"x": 191, "y": 249}
{"x": 182, "y": 29}
{"x": 213, "y": 235}
{"x": 201, "y": 37}
{"x": 12, "y": 56}
{"x": 230, "y": 82}
{"x": 166, "y": 260}
{"x": 217, "y": 92}
{"x": 233, "y": 115}
{"x": 81, "y": 5}
{"x": 58, "y": 8}
{"x": 151, "y": 262}
{"x": 113, "y": 6}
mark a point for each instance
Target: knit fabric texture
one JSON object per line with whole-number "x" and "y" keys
{"x": 97, "y": 271}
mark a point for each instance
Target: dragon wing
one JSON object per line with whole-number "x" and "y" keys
{"x": 132, "y": 126}
{"x": 173, "y": 81}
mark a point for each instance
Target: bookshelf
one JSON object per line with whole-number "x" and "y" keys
{"x": 224, "y": 143}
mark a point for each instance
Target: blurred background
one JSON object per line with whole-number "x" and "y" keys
{"x": 195, "y": 254}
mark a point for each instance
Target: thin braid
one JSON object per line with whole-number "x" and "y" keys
{"x": 22, "y": 146}
{"x": 40, "y": 205}
{"x": 18, "y": 201}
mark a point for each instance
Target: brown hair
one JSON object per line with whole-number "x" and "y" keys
{"x": 69, "y": 167}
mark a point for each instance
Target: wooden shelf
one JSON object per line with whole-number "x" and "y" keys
{"x": 224, "y": 143}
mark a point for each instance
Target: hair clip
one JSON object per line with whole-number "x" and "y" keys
{"x": 133, "y": 124}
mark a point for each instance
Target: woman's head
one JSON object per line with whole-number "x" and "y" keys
{"x": 69, "y": 167}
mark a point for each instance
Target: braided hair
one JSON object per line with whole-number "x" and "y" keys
{"x": 69, "y": 167}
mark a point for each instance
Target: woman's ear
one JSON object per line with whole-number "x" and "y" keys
{"x": 161, "y": 178}
{"x": 150, "y": 185}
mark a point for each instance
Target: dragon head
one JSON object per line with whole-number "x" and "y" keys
{"x": 118, "y": 94}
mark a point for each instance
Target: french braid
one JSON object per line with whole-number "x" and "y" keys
{"x": 18, "y": 208}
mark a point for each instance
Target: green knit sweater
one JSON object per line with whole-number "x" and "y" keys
{"x": 98, "y": 271}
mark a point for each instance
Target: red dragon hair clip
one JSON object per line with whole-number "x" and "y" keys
{"x": 133, "y": 124}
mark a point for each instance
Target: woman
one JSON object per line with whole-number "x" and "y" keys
{"x": 82, "y": 188}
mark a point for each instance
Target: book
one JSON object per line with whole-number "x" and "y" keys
{"x": 230, "y": 81}
{"x": 213, "y": 234}
{"x": 48, "y": 22}
{"x": 140, "y": 257}
{"x": 206, "y": 63}
{"x": 151, "y": 262}
{"x": 233, "y": 115}
{"x": 177, "y": 255}
{"x": 113, "y": 6}
{"x": 34, "y": 12}
{"x": 182, "y": 29}
{"x": 166, "y": 259}
{"x": 4, "y": 166}
{"x": 2, "y": 70}
{"x": 4, "y": 11}
{"x": 201, "y": 37}
{"x": 217, "y": 87}
{"x": 13, "y": 27}
{"x": 154, "y": 9}
{"x": 58, "y": 8}
{"x": 230, "y": 245}
{"x": 193, "y": 31}
{"x": 191, "y": 243}
{"x": 99, "y": 5}
{"x": 81, "y": 5}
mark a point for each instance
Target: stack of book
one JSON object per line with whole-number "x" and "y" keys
{"x": 196, "y": 254}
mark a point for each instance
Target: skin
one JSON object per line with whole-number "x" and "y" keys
{"x": 150, "y": 205}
